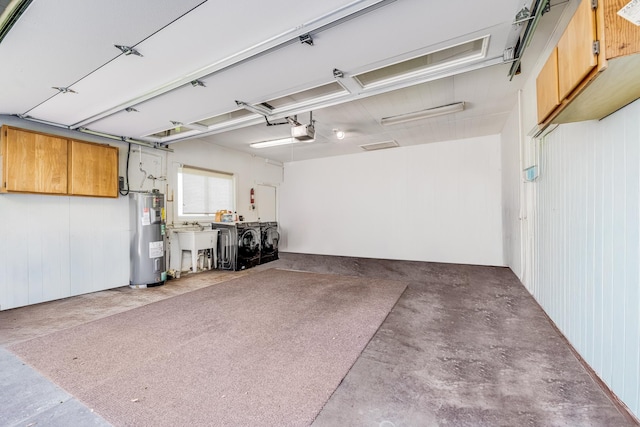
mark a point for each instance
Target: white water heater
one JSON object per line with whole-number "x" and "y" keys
{"x": 148, "y": 261}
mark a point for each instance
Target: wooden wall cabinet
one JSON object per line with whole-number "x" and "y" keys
{"x": 34, "y": 162}
{"x": 93, "y": 169}
{"x": 597, "y": 63}
{"x": 576, "y": 56}
{"x": 547, "y": 86}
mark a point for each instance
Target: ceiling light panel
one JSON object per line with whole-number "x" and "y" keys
{"x": 71, "y": 51}
{"x": 191, "y": 47}
{"x": 414, "y": 98}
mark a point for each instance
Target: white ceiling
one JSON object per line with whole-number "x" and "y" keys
{"x": 250, "y": 51}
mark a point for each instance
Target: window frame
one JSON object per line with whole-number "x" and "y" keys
{"x": 181, "y": 169}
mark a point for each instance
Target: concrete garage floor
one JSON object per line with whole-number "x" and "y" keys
{"x": 464, "y": 346}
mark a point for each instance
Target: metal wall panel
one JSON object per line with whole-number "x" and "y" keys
{"x": 99, "y": 247}
{"x": 54, "y": 247}
{"x": 14, "y": 276}
{"x": 33, "y": 259}
{"x": 587, "y": 244}
{"x": 47, "y": 237}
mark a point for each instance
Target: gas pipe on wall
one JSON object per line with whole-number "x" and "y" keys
{"x": 253, "y": 199}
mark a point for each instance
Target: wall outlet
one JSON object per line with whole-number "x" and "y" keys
{"x": 121, "y": 183}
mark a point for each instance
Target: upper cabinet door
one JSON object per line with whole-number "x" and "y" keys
{"x": 575, "y": 49}
{"x": 33, "y": 162}
{"x": 93, "y": 169}
{"x": 547, "y": 87}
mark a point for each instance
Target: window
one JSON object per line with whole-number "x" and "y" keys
{"x": 202, "y": 192}
{"x": 424, "y": 65}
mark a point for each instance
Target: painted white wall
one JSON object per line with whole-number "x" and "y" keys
{"x": 511, "y": 175}
{"x": 436, "y": 202}
{"x": 266, "y": 202}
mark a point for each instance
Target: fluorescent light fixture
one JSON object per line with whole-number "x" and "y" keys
{"x": 276, "y": 142}
{"x": 423, "y": 114}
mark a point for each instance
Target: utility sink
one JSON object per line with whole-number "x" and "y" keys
{"x": 194, "y": 241}
{"x": 204, "y": 239}
{"x": 194, "y": 227}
